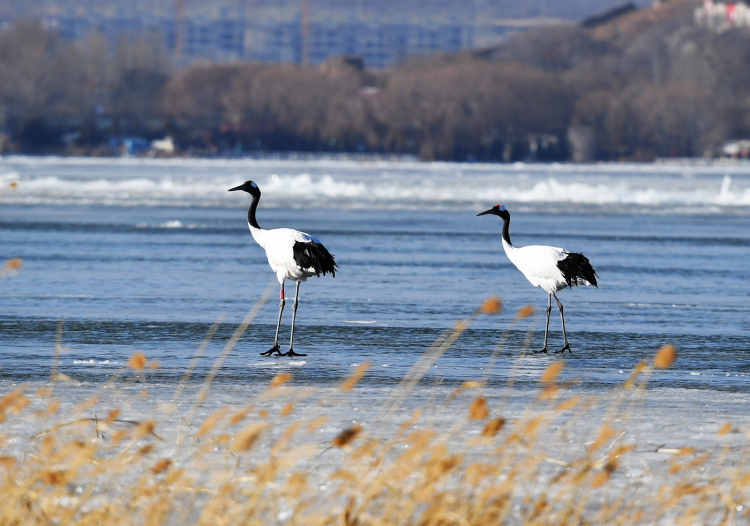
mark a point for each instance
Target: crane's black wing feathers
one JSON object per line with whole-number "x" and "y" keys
{"x": 315, "y": 256}
{"x": 576, "y": 266}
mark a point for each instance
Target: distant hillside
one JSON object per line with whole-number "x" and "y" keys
{"x": 650, "y": 83}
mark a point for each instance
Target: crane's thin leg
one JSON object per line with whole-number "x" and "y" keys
{"x": 546, "y": 327}
{"x": 567, "y": 345}
{"x": 275, "y": 348}
{"x": 290, "y": 352}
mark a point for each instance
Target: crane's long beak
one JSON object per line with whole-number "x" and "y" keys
{"x": 236, "y": 188}
{"x": 485, "y": 212}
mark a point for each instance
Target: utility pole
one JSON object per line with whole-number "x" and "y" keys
{"x": 305, "y": 27}
{"x": 179, "y": 21}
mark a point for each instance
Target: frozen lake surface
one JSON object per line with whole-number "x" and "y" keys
{"x": 144, "y": 255}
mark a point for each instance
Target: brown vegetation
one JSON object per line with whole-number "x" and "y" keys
{"x": 647, "y": 84}
{"x": 50, "y": 88}
{"x": 468, "y": 467}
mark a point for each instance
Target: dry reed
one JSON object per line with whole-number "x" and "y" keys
{"x": 476, "y": 463}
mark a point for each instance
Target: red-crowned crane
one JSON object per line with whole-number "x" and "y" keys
{"x": 550, "y": 268}
{"x": 293, "y": 255}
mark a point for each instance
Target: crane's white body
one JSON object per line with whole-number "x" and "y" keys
{"x": 279, "y": 244}
{"x": 539, "y": 264}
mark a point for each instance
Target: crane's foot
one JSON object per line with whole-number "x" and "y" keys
{"x": 274, "y": 349}
{"x": 566, "y": 347}
{"x": 290, "y": 352}
{"x": 542, "y": 350}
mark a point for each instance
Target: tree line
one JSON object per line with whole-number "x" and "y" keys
{"x": 651, "y": 84}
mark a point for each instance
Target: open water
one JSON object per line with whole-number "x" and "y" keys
{"x": 144, "y": 255}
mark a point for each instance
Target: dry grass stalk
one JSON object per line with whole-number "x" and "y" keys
{"x": 551, "y": 372}
{"x": 316, "y": 422}
{"x": 444, "y": 342}
{"x": 11, "y": 267}
{"x": 13, "y": 402}
{"x": 161, "y": 466}
{"x": 198, "y": 353}
{"x": 280, "y": 379}
{"x": 137, "y": 361}
{"x": 570, "y": 403}
{"x": 493, "y": 426}
{"x": 525, "y": 312}
{"x": 245, "y": 439}
{"x": 350, "y": 382}
{"x": 241, "y": 328}
{"x": 478, "y": 409}
{"x": 665, "y": 357}
{"x": 111, "y": 416}
{"x": 491, "y": 305}
{"x": 211, "y": 421}
{"x": 346, "y": 436}
{"x": 240, "y": 415}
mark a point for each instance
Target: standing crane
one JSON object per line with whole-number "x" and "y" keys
{"x": 550, "y": 268}
{"x": 293, "y": 255}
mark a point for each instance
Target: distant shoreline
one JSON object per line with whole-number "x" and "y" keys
{"x": 386, "y": 157}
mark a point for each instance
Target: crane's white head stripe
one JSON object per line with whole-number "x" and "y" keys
{"x": 252, "y": 183}
{"x": 501, "y": 207}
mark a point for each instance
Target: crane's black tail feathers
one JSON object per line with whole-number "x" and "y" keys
{"x": 575, "y": 267}
{"x": 314, "y": 256}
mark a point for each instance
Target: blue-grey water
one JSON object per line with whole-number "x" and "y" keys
{"x": 144, "y": 256}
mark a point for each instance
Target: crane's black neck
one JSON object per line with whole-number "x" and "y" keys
{"x": 251, "y": 212}
{"x": 505, "y": 216}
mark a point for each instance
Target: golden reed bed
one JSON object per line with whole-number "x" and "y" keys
{"x": 461, "y": 460}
